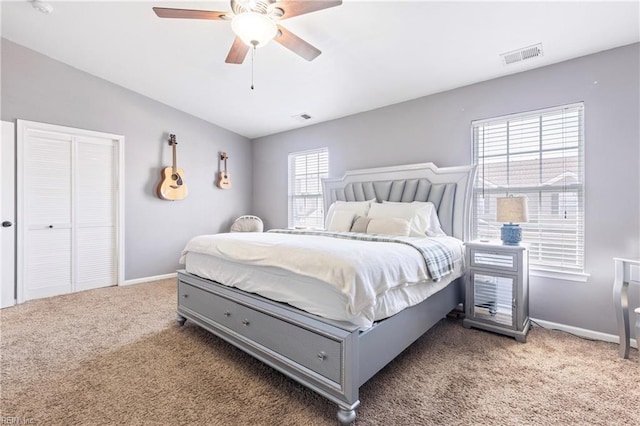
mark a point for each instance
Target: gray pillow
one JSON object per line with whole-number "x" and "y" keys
{"x": 360, "y": 224}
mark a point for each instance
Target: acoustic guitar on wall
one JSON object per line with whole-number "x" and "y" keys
{"x": 224, "y": 180}
{"x": 172, "y": 186}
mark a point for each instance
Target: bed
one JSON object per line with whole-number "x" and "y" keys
{"x": 333, "y": 356}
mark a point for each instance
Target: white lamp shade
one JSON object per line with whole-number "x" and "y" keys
{"x": 255, "y": 29}
{"x": 512, "y": 210}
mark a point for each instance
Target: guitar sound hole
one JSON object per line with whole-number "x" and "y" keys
{"x": 174, "y": 176}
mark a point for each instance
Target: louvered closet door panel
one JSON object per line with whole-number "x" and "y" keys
{"x": 96, "y": 213}
{"x": 48, "y": 179}
{"x": 48, "y": 214}
{"x": 48, "y": 266}
{"x": 96, "y": 261}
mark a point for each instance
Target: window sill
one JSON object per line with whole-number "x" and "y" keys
{"x": 580, "y": 277}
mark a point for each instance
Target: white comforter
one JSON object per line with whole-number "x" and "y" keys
{"x": 361, "y": 270}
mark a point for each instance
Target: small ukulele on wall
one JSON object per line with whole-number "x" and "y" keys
{"x": 172, "y": 186}
{"x": 224, "y": 181}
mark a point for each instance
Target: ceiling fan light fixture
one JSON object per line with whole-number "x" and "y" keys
{"x": 255, "y": 29}
{"x": 42, "y": 6}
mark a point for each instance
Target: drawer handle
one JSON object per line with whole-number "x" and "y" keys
{"x": 322, "y": 356}
{"x": 227, "y": 313}
{"x": 245, "y": 322}
{"x": 185, "y": 295}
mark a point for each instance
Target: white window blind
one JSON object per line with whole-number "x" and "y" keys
{"x": 539, "y": 154}
{"x": 306, "y": 169}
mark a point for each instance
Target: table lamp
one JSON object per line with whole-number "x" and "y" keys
{"x": 512, "y": 210}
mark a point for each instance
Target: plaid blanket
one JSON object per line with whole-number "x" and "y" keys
{"x": 437, "y": 255}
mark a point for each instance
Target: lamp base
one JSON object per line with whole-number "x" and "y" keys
{"x": 511, "y": 234}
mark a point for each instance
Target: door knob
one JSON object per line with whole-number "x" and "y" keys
{"x": 6, "y": 224}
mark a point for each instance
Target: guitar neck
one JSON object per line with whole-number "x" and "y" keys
{"x": 175, "y": 163}
{"x": 224, "y": 157}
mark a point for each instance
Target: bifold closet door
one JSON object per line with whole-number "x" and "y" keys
{"x": 47, "y": 226}
{"x": 68, "y": 202}
{"x": 95, "y": 213}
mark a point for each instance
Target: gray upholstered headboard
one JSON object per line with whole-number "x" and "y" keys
{"x": 449, "y": 188}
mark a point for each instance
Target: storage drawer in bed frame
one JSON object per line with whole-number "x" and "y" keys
{"x": 312, "y": 352}
{"x": 309, "y": 349}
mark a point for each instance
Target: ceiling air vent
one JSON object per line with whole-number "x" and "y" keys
{"x": 302, "y": 117}
{"x": 522, "y": 54}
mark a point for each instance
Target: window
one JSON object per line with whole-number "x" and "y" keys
{"x": 539, "y": 154}
{"x": 306, "y": 171}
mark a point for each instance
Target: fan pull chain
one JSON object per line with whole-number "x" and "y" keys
{"x": 253, "y": 55}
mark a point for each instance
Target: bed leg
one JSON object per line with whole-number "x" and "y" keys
{"x": 181, "y": 320}
{"x": 346, "y": 416}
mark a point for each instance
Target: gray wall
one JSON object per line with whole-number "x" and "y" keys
{"x": 433, "y": 128}
{"x": 437, "y": 128}
{"x": 38, "y": 88}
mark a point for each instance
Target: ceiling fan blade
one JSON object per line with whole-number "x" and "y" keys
{"x": 296, "y": 44}
{"x": 164, "y": 12}
{"x": 238, "y": 52}
{"x": 297, "y": 7}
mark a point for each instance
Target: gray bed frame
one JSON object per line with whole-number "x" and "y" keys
{"x": 330, "y": 357}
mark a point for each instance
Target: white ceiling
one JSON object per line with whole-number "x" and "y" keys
{"x": 374, "y": 53}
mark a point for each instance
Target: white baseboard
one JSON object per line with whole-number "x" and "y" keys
{"x": 147, "y": 279}
{"x": 582, "y": 332}
{"x": 7, "y": 303}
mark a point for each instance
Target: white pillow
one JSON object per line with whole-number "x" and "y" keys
{"x": 389, "y": 226}
{"x": 341, "y": 220}
{"x": 358, "y": 208}
{"x": 422, "y": 216}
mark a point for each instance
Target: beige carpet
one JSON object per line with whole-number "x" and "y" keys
{"x": 115, "y": 356}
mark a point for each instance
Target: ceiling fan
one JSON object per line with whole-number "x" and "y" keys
{"x": 255, "y": 23}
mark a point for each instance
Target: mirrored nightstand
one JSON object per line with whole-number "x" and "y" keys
{"x": 497, "y": 288}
